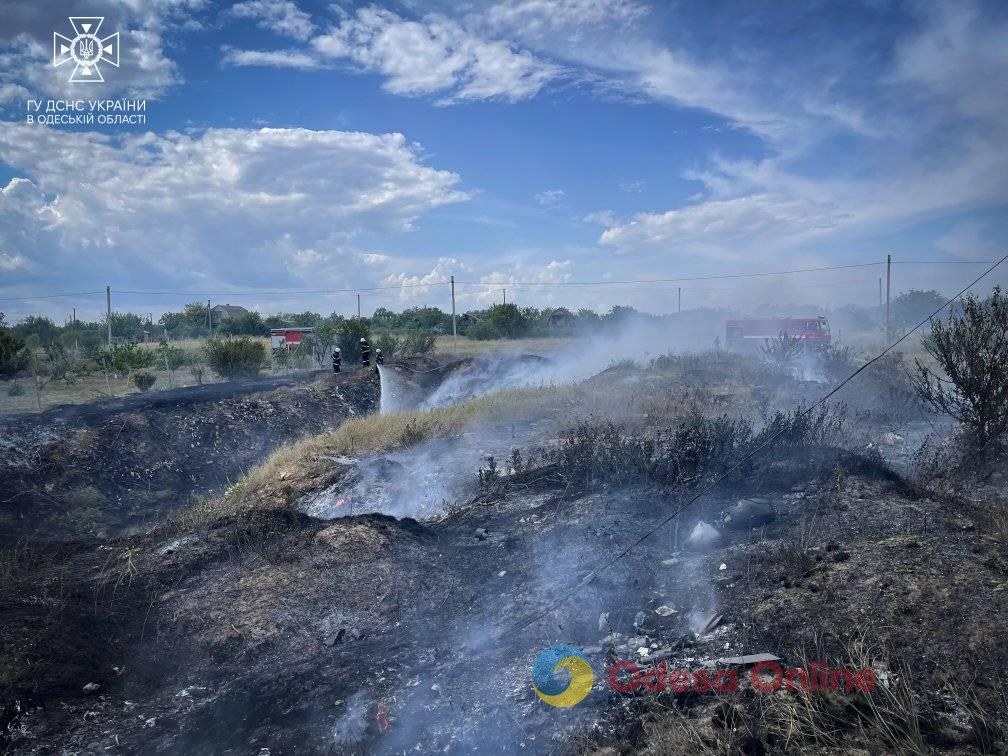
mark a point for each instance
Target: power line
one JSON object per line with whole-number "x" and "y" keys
{"x": 670, "y": 280}
{"x": 51, "y": 296}
{"x": 745, "y": 458}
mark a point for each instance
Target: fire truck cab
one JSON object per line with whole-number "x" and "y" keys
{"x": 749, "y": 333}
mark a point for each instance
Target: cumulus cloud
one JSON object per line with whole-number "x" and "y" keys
{"x": 279, "y": 16}
{"x": 232, "y": 205}
{"x": 435, "y": 55}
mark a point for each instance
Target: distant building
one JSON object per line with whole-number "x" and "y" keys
{"x": 226, "y": 311}
{"x": 561, "y": 317}
{"x": 288, "y": 338}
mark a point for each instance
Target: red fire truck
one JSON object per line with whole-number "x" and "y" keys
{"x": 750, "y": 333}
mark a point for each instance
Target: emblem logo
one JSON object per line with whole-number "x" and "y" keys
{"x": 86, "y": 49}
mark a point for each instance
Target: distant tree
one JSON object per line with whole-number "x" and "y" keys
{"x": 508, "y": 320}
{"x": 911, "y": 307}
{"x": 349, "y": 334}
{"x": 240, "y": 357}
{"x": 43, "y": 329}
{"x": 13, "y": 352}
{"x": 246, "y": 324}
{"x": 971, "y": 348}
{"x": 388, "y": 344}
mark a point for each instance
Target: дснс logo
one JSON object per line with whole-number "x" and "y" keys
{"x": 86, "y": 49}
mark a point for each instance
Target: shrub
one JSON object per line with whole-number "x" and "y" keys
{"x": 483, "y": 331}
{"x": 418, "y": 342}
{"x": 507, "y": 320}
{"x": 389, "y": 345}
{"x": 13, "y": 354}
{"x": 837, "y": 362}
{"x": 240, "y": 357}
{"x": 15, "y": 389}
{"x": 782, "y": 351}
{"x": 143, "y": 380}
{"x": 171, "y": 357}
{"x": 126, "y": 357}
{"x": 971, "y": 348}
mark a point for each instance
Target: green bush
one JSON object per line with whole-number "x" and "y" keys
{"x": 143, "y": 380}
{"x": 483, "y": 330}
{"x": 171, "y": 357}
{"x": 971, "y": 349}
{"x": 13, "y": 354}
{"x": 389, "y": 345}
{"x": 418, "y": 342}
{"x": 240, "y": 357}
{"x": 349, "y": 334}
{"x": 126, "y": 357}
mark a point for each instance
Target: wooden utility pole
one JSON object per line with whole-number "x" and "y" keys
{"x": 108, "y": 313}
{"x": 505, "y": 295}
{"x": 888, "y": 272}
{"x": 358, "y": 307}
{"x": 454, "y": 330}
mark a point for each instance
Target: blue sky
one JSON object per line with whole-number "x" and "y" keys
{"x": 309, "y": 146}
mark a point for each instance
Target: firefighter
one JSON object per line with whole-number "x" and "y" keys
{"x": 717, "y": 343}
{"x": 378, "y": 359}
{"x": 365, "y": 352}
{"x": 337, "y": 360}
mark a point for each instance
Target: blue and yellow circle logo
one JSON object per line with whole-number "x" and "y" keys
{"x": 552, "y": 688}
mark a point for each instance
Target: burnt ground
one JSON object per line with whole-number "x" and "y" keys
{"x": 268, "y": 631}
{"x": 112, "y": 467}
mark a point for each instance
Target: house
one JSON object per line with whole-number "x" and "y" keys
{"x": 288, "y": 338}
{"x": 561, "y": 317}
{"x": 226, "y": 311}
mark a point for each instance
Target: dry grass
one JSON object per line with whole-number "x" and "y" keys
{"x": 444, "y": 345}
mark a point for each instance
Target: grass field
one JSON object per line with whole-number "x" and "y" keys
{"x": 541, "y": 346}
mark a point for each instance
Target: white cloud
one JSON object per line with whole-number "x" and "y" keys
{"x": 721, "y": 229}
{"x": 227, "y": 205}
{"x": 272, "y": 58}
{"x": 10, "y": 262}
{"x": 550, "y": 196}
{"x": 435, "y": 55}
{"x": 279, "y": 16}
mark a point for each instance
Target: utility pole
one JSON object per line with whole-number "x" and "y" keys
{"x": 454, "y": 331}
{"x": 108, "y": 313}
{"x": 680, "y": 299}
{"x": 209, "y": 317}
{"x": 358, "y": 307}
{"x": 888, "y": 272}
{"x": 505, "y": 295}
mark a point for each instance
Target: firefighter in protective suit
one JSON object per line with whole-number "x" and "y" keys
{"x": 379, "y": 359}
{"x": 365, "y": 352}
{"x": 337, "y": 360}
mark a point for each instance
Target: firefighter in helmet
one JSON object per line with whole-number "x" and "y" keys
{"x": 337, "y": 360}
{"x": 365, "y": 352}
{"x": 379, "y": 359}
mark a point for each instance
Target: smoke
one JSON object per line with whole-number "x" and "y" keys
{"x": 352, "y": 725}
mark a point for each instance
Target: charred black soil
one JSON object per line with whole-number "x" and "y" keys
{"x": 266, "y": 630}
